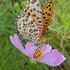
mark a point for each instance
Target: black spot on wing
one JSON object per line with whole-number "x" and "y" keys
{"x": 34, "y": 15}
{"x": 49, "y": 9}
{"x": 46, "y": 22}
{"x": 40, "y": 21}
{"x": 37, "y": 17}
{"x": 30, "y": 10}
{"x": 48, "y": 14}
{"x": 26, "y": 19}
{"x": 28, "y": 13}
{"x": 43, "y": 17}
{"x": 43, "y": 13}
{"x": 34, "y": 9}
{"x": 26, "y": 10}
{"x": 48, "y": 6}
{"x": 38, "y": 4}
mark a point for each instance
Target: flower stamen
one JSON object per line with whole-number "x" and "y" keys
{"x": 37, "y": 53}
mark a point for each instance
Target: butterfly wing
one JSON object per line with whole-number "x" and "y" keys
{"x": 35, "y": 12}
{"x": 26, "y": 26}
{"x": 47, "y": 13}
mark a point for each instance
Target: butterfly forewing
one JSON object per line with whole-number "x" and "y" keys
{"x": 26, "y": 26}
{"x": 35, "y": 12}
{"x": 47, "y": 13}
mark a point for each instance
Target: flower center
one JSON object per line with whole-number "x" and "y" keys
{"x": 37, "y": 53}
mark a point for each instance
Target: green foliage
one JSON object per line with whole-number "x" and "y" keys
{"x": 58, "y": 35}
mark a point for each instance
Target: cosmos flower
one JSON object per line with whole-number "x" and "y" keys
{"x": 44, "y": 54}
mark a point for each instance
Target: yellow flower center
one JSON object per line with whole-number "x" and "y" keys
{"x": 37, "y": 53}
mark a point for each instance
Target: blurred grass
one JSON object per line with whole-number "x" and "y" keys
{"x": 58, "y": 35}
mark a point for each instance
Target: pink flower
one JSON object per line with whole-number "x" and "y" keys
{"x": 44, "y": 54}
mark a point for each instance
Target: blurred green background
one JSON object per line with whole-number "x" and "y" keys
{"x": 58, "y": 35}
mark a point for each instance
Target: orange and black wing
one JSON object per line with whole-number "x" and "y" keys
{"x": 47, "y": 13}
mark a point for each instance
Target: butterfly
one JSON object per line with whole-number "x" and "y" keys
{"x": 41, "y": 17}
{"x": 31, "y": 22}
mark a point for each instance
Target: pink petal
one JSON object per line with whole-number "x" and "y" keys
{"x": 28, "y": 45}
{"x": 46, "y": 48}
{"x": 52, "y": 59}
{"x": 17, "y": 43}
{"x": 30, "y": 49}
{"x": 59, "y": 61}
